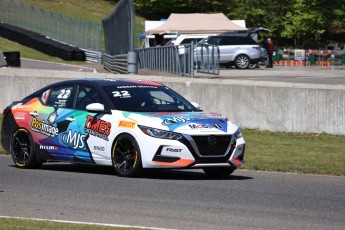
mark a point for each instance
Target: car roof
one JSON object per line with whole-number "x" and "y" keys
{"x": 106, "y": 82}
{"x": 96, "y": 82}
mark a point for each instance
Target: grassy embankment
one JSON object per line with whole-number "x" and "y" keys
{"x": 94, "y": 10}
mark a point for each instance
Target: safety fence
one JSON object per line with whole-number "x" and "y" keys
{"x": 180, "y": 60}
{"x": 300, "y": 57}
{"x": 116, "y": 63}
{"x": 119, "y": 38}
{"x": 164, "y": 59}
{"x": 119, "y": 29}
{"x": 67, "y": 29}
{"x": 207, "y": 59}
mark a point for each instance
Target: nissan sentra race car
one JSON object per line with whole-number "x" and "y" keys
{"x": 129, "y": 124}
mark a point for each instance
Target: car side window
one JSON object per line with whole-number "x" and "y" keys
{"x": 58, "y": 97}
{"x": 86, "y": 96}
{"x": 214, "y": 40}
{"x": 227, "y": 41}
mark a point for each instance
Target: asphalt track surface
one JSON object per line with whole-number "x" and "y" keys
{"x": 173, "y": 199}
{"x": 334, "y": 75}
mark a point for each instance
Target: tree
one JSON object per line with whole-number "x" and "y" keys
{"x": 299, "y": 23}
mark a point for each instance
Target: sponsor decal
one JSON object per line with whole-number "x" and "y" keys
{"x": 19, "y": 116}
{"x": 44, "y": 128}
{"x": 73, "y": 140}
{"x": 136, "y": 86}
{"x": 98, "y": 150}
{"x": 205, "y": 126}
{"x": 174, "y": 120}
{"x": 126, "y": 124}
{"x": 49, "y": 147}
{"x": 173, "y": 150}
{"x": 97, "y": 127}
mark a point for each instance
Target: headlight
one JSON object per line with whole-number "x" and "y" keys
{"x": 158, "y": 133}
{"x": 238, "y": 134}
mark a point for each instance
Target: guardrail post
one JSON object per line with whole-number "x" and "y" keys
{"x": 132, "y": 62}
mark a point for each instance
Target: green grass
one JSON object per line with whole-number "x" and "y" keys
{"x": 24, "y": 224}
{"x": 295, "y": 152}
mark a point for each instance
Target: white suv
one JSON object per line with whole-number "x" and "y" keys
{"x": 234, "y": 50}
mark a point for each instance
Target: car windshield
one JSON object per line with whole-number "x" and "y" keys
{"x": 147, "y": 98}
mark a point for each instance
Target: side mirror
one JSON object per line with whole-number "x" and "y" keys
{"x": 196, "y": 105}
{"x": 95, "y": 107}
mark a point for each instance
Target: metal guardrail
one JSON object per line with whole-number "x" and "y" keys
{"x": 180, "y": 60}
{"x": 116, "y": 64}
{"x": 207, "y": 59}
{"x": 93, "y": 56}
{"x": 67, "y": 29}
{"x": 165, "y": 59}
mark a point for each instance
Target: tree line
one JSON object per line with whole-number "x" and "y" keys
{"x": 296, "y": 23}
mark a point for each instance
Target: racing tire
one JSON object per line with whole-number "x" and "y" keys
{"x": 23, "y": 150}
{"x": 219, "y": 172}
{"x": 126, "y": 157}
{"x": 242, "y": 62}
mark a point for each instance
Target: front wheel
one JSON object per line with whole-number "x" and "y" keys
{"x": 219, "y": 172}
{"x": 23, "y": 150}
{"x": 126, "y": 157}
{"x": 242, "y": 61}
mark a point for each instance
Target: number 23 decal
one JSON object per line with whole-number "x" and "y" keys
{"x": 121, "y": 94}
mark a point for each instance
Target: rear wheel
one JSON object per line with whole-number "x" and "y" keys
{"x": 242, "y": 61}
{"x": 219, "y": 172}
{"x": 126, "y": 157}
{"x": 23, "y": 150}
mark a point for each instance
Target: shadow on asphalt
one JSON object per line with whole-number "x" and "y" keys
{"x": 156, "y": 174}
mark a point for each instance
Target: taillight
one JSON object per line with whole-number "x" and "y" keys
{"x": 5, "y": 112}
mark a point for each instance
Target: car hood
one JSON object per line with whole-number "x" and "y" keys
{"x": 185, "y": 122}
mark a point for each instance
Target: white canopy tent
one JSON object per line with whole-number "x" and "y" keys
{"x": 196, "y": 24}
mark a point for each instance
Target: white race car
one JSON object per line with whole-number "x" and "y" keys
{"x": 129, "y": 124}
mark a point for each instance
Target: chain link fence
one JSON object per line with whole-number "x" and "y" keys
{"x": 67, "y": 29}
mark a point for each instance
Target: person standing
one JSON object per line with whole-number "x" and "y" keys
{"x": 270, "y": 52}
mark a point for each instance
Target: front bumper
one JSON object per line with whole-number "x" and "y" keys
{"x": 228, "y": 153}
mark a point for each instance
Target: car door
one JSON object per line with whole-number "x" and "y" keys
{"x": 226, "y": 49}
{"x": 47, "y": 122}
{"x": 88, "y": 132}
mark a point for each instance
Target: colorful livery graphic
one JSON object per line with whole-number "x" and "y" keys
{"x": 128, "y": 124}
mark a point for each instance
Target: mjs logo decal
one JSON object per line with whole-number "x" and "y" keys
{"x": 97, "y": 127}
{"x": 74, "y": 140}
